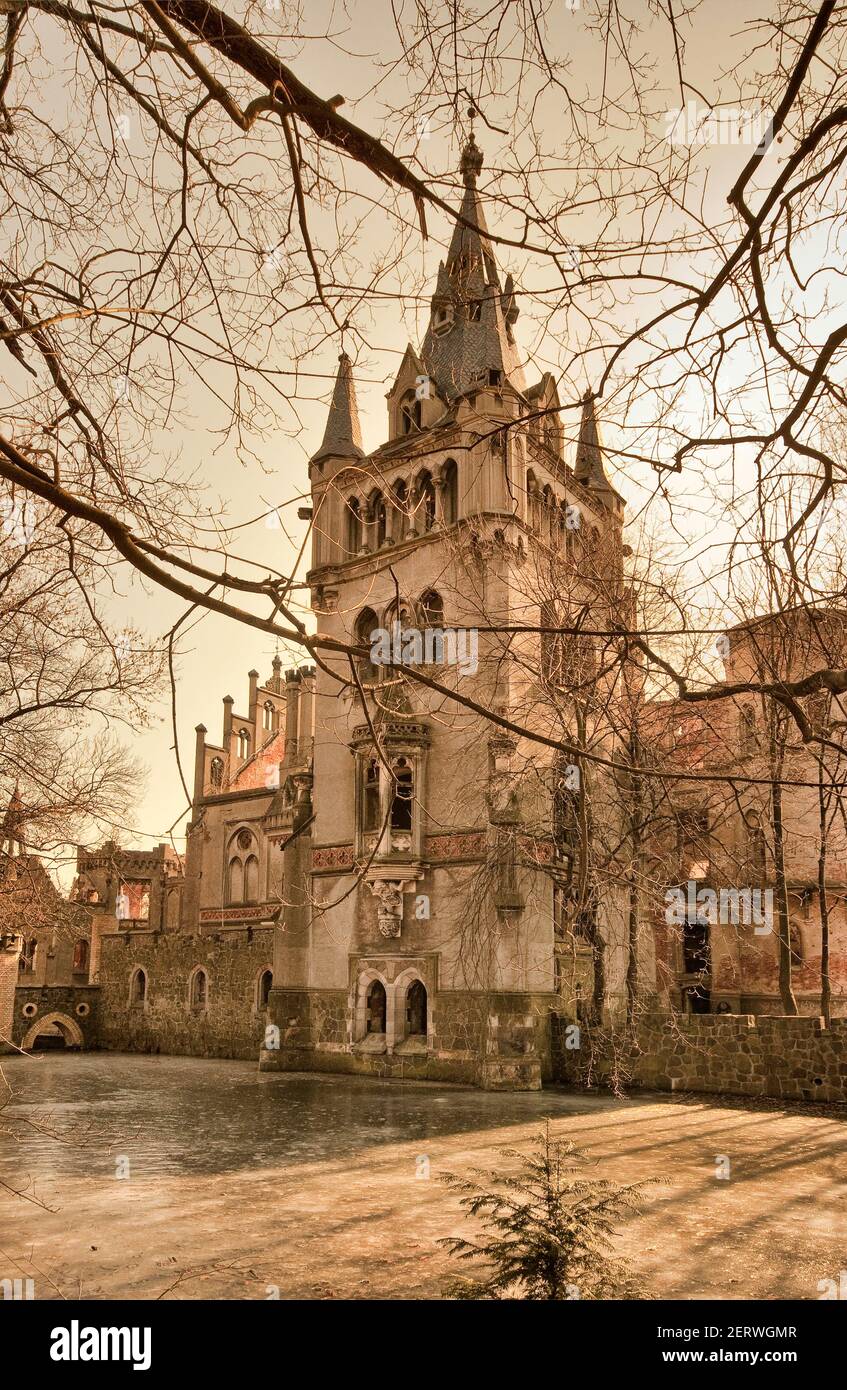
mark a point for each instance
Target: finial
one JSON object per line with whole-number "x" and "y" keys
{"x": 471, "y": 162}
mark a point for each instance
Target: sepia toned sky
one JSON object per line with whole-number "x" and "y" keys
{"x": 213, "y": 653}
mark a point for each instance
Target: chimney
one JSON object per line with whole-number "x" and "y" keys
{"x": 199, "y": 761}
{"x": 254, "y": 700}
{"x": 292, "y": 714}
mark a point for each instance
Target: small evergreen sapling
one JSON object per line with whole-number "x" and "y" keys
{"x": 548, "y": 1230}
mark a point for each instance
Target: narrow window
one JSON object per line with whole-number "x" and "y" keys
{"x": 475, "y": 310}
{"x": 379, "y": 518}
{"x": 755, "y": 844}
{"x": 268, "y": 715}
{"x": 531, "y": 499}
{"x": 426, "y": 500}
{"x": 138, "y": 988}
{"x": 80, "y": 961}
{"x": 266, "y": 980}
{"x": 404, "y": 791}
{"x": 450, "y": 494}
{"x": 216, "y": 771}
{"x": 243, "y": 744}
{"x": 370, "y": 795}
{"x": 695, "y": 946}
{"x": 251, "y": 880}
{"x": 366, "y": 625}
{"x": 376, "y": 1007}
{"x": 199, "y": 993}
{"x": 236, "y": 881}
{"x": 354, "y": 526}
{"x": 416, "y": 1009}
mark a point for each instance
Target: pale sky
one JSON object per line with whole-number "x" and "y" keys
{"x": 216, "y": 654}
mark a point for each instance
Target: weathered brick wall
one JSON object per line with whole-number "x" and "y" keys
{"x": 231, "y": 1026}
{"x": 9, "y": 955}
{"x": 736, "y": 1054}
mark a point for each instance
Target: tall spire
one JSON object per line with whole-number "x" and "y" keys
{"x": 589, "y": 468}
{"x": 469, "y": 343}
{"x": 342, "y": 436}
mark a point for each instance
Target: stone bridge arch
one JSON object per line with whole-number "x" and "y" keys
{"x": 68, "y": 1026}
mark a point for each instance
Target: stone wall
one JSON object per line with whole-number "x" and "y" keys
{"x": 735, "y": 1054}
{"x": 77, "y": 1005}
{"x": 231, "y": 1025}
{"x": 10, "y": 950}
{"x": 497, "y": 1040}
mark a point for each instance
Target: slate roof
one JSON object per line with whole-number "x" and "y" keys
{"x": 460, "y": 358}
{"x": 343, "y": 435}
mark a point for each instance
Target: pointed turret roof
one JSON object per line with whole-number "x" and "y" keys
{"x": 342, "y": 436}
{"x": 470, "y": 329}
{"x": 589, "y": 469}
{"x": 10, "y": 832}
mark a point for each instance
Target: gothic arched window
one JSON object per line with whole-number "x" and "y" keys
{"x": 432, "y": 608}
{"x": 263, "y": 989}
{"x": 353, "y": 526}
{"x": 378, "y": 516}
{"x": 548, "y": 506}
{"x": 243, "y": 744}
{"x": 416, "y": 1009}
{"x": 747, "y": 729}
{"x": 450, "y": 493}
{"x": 251, "y": 879}
{"x": 376, "y": 1007}
{"x": 216, "y": 771}
{"x": 235, "y": 891}
{"x": 410, "y": 413}
{"x": 399, "y": 501}
{"x": 426, "y": 501}
{"x": 367, "y": 624}
{"x": 138, "y": 988}
{"x": 268, "y": 715}
{"x": 198, "y": 990}
{"x": 239, "y": 875}
{"x": 756, "y": 847}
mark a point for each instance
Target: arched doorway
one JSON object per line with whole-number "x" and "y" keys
{"x": 53, "y": 1032}
{"x": 376, "y": 1007}
{"x": 416, "y": 1009}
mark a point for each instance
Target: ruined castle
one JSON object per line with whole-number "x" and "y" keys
{"x": 374, "y": 875}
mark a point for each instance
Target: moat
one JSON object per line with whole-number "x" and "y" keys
{"x": 183, "y": 1178}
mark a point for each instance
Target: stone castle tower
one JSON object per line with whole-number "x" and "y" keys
{"x": 418, "y": 933}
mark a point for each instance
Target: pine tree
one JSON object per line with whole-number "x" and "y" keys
{"x": 548, "y": 1229}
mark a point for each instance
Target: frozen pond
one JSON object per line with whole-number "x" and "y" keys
{"x": 175, "y": 1115}
{"x": 157, "y": 1177}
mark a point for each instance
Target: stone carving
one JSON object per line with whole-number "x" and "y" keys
{"x": 458, "y": 846}
{"x": 332, "y": 857}
{"x": 389, "y": 891}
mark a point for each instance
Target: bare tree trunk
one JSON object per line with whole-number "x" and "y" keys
{"x": 636, "y": 823}
{"x": 826, "y": 983}
{"x": 632, "y": 957}
{"x": 789, "y": 1003}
